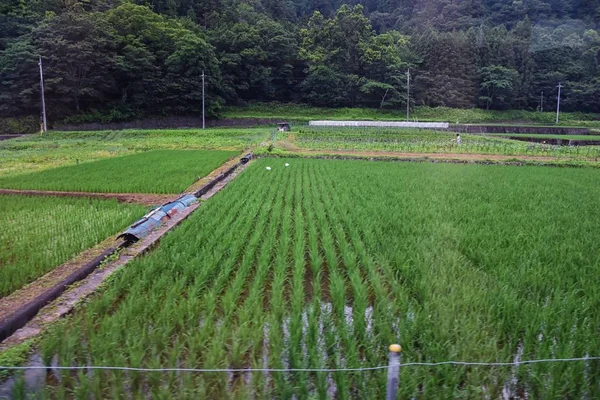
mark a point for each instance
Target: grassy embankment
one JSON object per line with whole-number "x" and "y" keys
{"x": 302, "y": 114}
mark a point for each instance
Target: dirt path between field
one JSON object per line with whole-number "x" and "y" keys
{"x": 137, "y": 198}
{"x": 214, "y": 174}
{"x": 433, "y": 156}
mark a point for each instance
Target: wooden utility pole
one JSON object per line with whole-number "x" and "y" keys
{"x": 558, "y": 102}
{"x": 45, "y": 128}
{"x": 407, "y": 95}
{"x": 203, "y": 116}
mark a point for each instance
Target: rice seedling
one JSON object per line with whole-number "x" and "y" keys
{"x": 159, "y": 171}
{"x": 40, "y": 233}
{"x": 427, "y": 141}
{"x": 324, "y": 263}
{"x": 34, "y": 152}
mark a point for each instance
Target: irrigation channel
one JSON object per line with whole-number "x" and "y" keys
{"x": 136, "y": 232}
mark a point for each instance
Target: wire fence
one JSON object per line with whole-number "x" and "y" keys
{"x": 264, "y": 370}
{"x": 393, "y": 369}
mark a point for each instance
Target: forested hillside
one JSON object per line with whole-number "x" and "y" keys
{"x": 113, "y": 59}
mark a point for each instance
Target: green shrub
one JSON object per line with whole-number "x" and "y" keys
{"x": 103, "y": 116}
{"x": 22, "y": 125}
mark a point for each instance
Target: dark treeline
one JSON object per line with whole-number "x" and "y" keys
{"x": 116, "y": 59}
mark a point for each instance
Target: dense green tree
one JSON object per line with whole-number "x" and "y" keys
{"x": 16, "y": 19}
{"x": 446, "y": 15}
{"x": 497, "y": 85}
{"x": 325, "y": 87}
{"x": 79, "y": 56}
{"x": 348, "y": 45}
{"x": 19, "y": 79}
{"x": 258, "y": 58}
{"x": 447, "y": 72}
{"x": 128, "y": 57}
{"x": 160, "y": 62}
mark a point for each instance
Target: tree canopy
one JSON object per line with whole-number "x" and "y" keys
{"x": 146, "y": 57}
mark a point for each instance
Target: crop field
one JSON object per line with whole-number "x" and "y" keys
{"x": 324, "y": 263}
{"x": 427, "y": 141}
{"x": 304, "y": 113}
{"x": 158, "y": 171}
{"x": 544, "y": 136}
{"x": 35, "y": 152}
{"x": 40, "y": 233}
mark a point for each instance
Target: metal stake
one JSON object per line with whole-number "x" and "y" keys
{"x": 393, "y": 378}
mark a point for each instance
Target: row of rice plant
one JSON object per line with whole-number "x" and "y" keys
{"x": 324, "y": 263}
{"x": 159, "y": 171}
{"x": 423, "y": 141}
{"x": 40, "y": 233}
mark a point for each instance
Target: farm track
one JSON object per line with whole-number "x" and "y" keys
{"x": 214, "y": 174}
{"x": 131, "y": 198}
{"x": 64, "y": 304}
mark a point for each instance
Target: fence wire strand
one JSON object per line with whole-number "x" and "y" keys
{"x": 241, "y": 370}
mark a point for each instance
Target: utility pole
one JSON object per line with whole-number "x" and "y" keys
{"x": 407, "y": 95}
{"x": 558, "y": 102}
{"x": 45, "y": 129}
{"x": 203, "y": 118}
{"x": 542, "y": 103}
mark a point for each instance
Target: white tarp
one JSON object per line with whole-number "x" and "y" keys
{"x": 383, "y": 124}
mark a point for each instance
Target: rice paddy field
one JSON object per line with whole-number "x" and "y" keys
{"x": 566, "y": 138}
{"x": 40, "y": 233}
{"x": 325, "y": 263}
{"x": 34, "y": 152}
{"x": 158, "y": 171}
{"x": 427, "y": 141}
